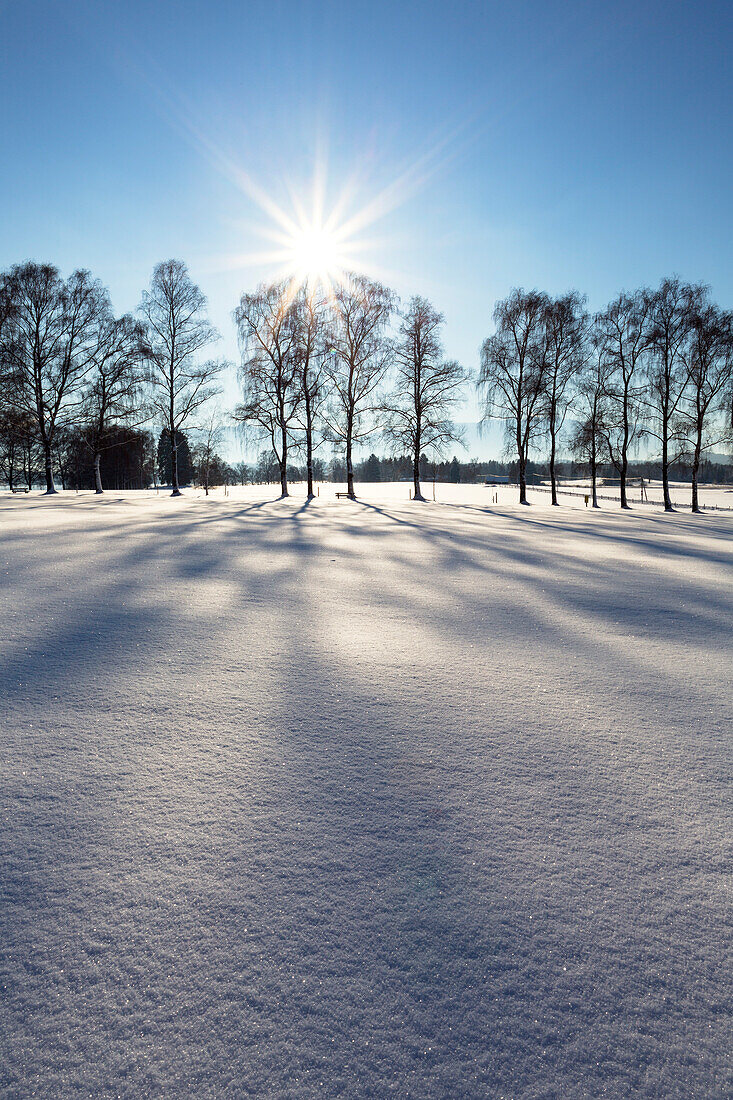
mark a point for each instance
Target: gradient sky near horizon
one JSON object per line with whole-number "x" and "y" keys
{"x": 479, "y": 145}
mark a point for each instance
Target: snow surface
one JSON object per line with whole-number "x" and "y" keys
{"x": 364, "y": 799}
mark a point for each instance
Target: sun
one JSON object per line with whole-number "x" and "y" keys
{"x": 316, "y": 255}
{"x": 319, "y": 240}
{"x": 316, "y": 242}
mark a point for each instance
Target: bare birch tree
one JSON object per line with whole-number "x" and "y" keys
{"x": 566, "y": 330}
{"x": 211, "y": 436}
{"x": 360, "y": 356}
{"x": 312, "y": 356}
{"x": 670, "y": 318}
{"x": 591, "y": 390}
{"x": 426, "y": 389}
{"x": 709, "y": 374}
{"x": 114, "y": 397}
{"x": 623, "y": 326}
{"x": 174, "y": 312}
{"x": 269, "y": 337}
{"x": 512, "y": 379}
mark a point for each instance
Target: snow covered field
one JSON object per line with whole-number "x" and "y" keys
{"x": 362, "y": 800}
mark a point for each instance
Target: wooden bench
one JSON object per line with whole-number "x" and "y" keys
{"x": 20, "y": 490}
{"x": 339, "y": 495}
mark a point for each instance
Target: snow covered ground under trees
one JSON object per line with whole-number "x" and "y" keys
{"x": 364, "y": 799}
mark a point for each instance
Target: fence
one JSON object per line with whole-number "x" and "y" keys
{"x": 602, "y": 496}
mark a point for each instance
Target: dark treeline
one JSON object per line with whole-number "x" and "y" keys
{"x": 374, "y": 468}
{"x": 126, "y": 459}
{"x": 129, "y": 459}
{"x": 97, "y": 399}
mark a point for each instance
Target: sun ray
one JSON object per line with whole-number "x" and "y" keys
{"x": 316, "y": 236}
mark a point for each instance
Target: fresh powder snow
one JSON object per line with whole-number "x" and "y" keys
{"x": 369, "y": 799}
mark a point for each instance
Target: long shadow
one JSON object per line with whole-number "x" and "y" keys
{"x": 597, "y": 523}
{"x": 545, "y": 571}
{"x": 307, "y": 503}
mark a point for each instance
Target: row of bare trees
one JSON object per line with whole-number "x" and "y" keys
{"x": 316, "y": 368}
{"x": 325, "y": 367}
{"x": 66, "y": 360}
{"x": 654, "y": 366}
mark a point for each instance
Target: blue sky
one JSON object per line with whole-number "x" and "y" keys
{"x": 544, "y": 144}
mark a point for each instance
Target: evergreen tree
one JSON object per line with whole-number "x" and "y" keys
{"x": 165, "y": 458}
{"x": 372, "y": 469}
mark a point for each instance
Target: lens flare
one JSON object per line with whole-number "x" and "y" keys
{"x": 316, "y": 255}
{"x": 336, "y": 237}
